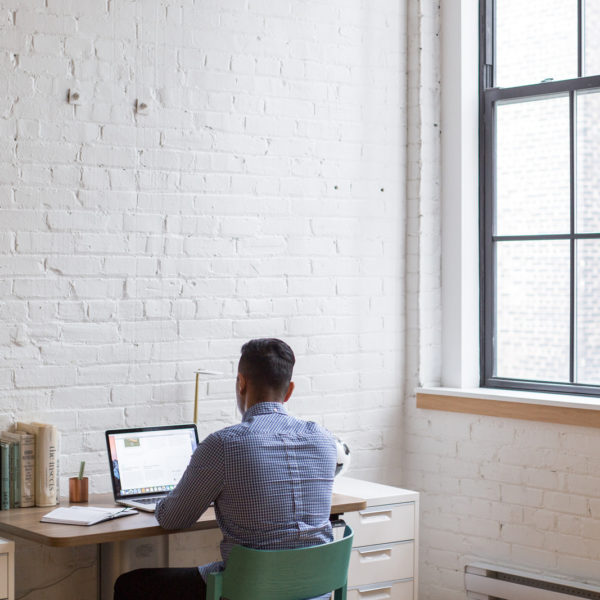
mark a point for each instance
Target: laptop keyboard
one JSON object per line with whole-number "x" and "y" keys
{"x": 151, "y": 500}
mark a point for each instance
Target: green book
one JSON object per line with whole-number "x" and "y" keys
{"x": 15, "y": 474}
{"x": 4, "y": 476}
{"x": 14, "y": 467}
{"x": 22, "y": 461}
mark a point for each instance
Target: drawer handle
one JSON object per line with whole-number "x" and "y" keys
{"x": 380, "y": 593}
{"x": 375, "y": 516}
{"x": 373, "y": 555}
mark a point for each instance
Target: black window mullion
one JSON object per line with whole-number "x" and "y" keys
{"x": 572, "y": 273}
{"x": 488, "y": 254}
{"x": 546, "y": 89}
{"x": 486, "y": 267}
{"x": 490, "y": 23}
{"x": 573, "y": 142}
{"x": 545, "y": 236}
{"x": 580, "y": 37}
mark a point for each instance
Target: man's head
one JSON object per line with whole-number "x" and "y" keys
{"x": 264, "y": 373}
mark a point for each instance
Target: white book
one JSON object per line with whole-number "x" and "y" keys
{"x": 46, "y": 461}
{"x": 85, "y": 515}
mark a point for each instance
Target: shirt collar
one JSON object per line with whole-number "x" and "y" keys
{"x": 264, "y": 408}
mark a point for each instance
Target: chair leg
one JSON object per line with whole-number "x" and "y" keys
{"x": 214, "y": 586}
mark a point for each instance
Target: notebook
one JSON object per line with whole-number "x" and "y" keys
{"x": 146, "y": 463}
{"x": 85, "y": 515}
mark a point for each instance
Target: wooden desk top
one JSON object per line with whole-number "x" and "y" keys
{"x": 25, "y": 523}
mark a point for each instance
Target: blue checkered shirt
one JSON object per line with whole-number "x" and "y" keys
{"x": 270, "y": 478}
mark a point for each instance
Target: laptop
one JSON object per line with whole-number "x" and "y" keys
{"x": 146, "y": 463}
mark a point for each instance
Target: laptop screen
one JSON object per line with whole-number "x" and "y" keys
{"x": 149, "y": 460}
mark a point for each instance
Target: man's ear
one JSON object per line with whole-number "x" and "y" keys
{"x": 289, "y": 391}
{"x": 242, "y": 384}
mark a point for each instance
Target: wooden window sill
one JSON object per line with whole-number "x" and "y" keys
{"x": 549, "y": 408}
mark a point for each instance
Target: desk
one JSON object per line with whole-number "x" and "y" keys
{"x": 113, "y": 536}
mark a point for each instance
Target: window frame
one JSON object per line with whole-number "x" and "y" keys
{"x": 489, "y": 96}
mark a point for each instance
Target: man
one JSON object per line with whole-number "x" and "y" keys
{"x": 270, "y": 478}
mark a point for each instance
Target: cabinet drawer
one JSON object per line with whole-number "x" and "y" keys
{"x": 383, "y": 562}
{"x": 391, "y": 590}
{"x": 381, "y": 524}
{"x": 4, "y": 576}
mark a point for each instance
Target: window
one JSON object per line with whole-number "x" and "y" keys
{"x": 540, "y": 195}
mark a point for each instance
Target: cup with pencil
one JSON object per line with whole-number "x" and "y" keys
{"x": 78, "y": 486}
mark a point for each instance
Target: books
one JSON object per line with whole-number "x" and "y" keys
{"x": 46, "y": 461}
{"x": 4, "y": 476}
{"x": 14, "y": 469}
{"x": 85, "y": 515}
{"x": 27, "y": 474}
{"x": 24, "y": 465}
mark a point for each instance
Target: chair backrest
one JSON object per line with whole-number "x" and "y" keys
{"x": 283, "y": 574}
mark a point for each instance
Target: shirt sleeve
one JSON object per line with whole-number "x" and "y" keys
{"x": 199, "y": 485}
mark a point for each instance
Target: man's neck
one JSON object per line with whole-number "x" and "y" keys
{"x": 250, "y": 402}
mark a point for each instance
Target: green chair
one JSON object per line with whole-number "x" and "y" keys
{"x": 284, "y": 574}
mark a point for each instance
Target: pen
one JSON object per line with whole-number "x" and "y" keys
{"x": 120, "y": 512}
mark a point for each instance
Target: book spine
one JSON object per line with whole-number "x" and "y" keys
{"x": 58, "y": 442}
{"x": 15, "y": 475}
{"x": 4, "y": 476}
{"x": 27, "y": 470}
{"x": 33, "y": 430}
{"x": 46, "y": 493}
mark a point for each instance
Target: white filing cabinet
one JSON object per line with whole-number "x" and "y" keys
{"x": 7, "y": 570}
{"x": 383, "y": 565}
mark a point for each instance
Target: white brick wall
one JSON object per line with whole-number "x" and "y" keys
{"x": 263, "y": 194}
{"x": 513, "y": 492}
{"x": 285, "y": 182}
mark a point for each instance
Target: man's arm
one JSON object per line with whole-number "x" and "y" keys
{"x": 200, "y": 484}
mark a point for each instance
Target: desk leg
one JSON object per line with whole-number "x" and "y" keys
{"x": 120, "y": 557}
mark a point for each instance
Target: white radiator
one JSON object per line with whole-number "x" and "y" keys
{"x": 485, "y": 581}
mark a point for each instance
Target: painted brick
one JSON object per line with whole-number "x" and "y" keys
{"x": 263, "y": 286}
{"x": 90, "y": 332}
{"x": 80, "y": 221}
{"x": 41, "y": 288}
{"x": 205, "y": 329}
{"x": 250, "y": 328}
{"x": 22, "y": 220}
{"x": 42, "y": 311}
{"x": 74, "y": 265}
{"x": 100, "y": 419}
{"x": 44, "y": 376}
{"x": 97, "y": 288}
{"x": 149, "y": 331}
{"x": 19, "y": 265}
{"x": 44, "y": 243}
{"x": 58, "y": 353}
{"x": 140, "y": 416}
{"x": 567, "y": 503}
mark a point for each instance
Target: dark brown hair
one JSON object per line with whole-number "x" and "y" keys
{"x": 267, "y": 363}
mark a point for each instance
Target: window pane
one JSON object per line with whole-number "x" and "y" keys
{"x": 591, "y": 45}
{"x": 532, "y": 296}
{"x": 588, "y": 312}
{"x": 535, "y": 40}
{"x": 588, "y": 161}
{"x": 532, "y": 159}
